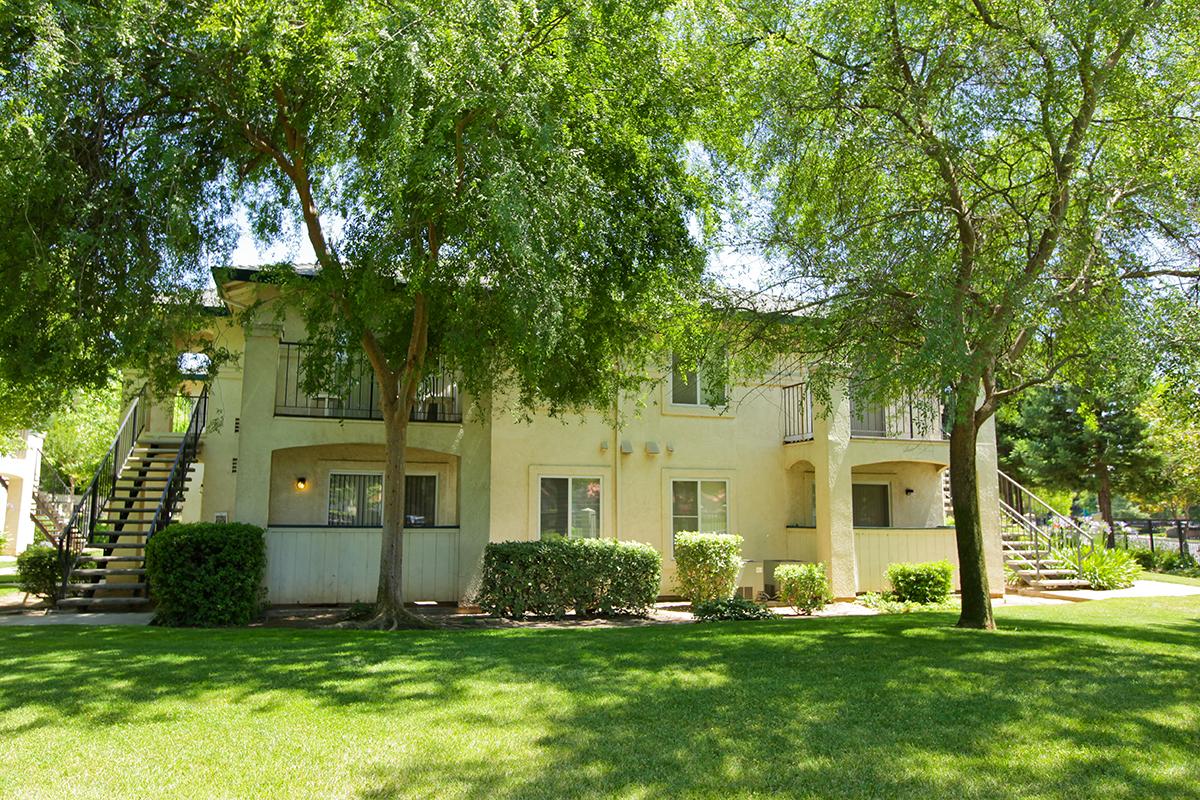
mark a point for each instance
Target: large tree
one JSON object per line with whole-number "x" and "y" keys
{"x": 495, "y": 189}
{"x": 954, "y": 192}
{"x": 1071, "y": 438}
{"x": 98, "y": 238}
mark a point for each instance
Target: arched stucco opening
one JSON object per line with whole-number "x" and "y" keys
{"x": 801, "y": 495}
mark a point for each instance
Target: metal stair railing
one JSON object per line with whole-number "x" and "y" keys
{"x": 1057, "y": 530}
{"x": 172, "y": 493}
{"x": 81, "y": 526}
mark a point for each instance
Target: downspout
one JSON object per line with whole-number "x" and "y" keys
{"x": 616, "y": 456}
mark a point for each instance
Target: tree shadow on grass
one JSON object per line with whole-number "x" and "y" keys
{"x": 872, "y": 707}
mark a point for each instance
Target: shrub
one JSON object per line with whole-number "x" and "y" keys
{"x": 804, "y": 587}
{"x": 553, "y": 576}
{"x": 39, "y": 572}
{"x": 206, "y": 574}
{"x": 707, "y": 565}
{"x": 1146, "y": 558}
{"x": 1108, "y": 569}
{"x": 923, "y": 584}
{"x": 732, "y": 608}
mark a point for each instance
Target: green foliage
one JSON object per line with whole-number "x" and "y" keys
{"x": 553, "y": 576}
{"x": 1162, "y": 560}
{"x": 40, "y": 572}
{"x": 804, "y": 587}
{"x": 99, "y": 232}
{"x": 707, "y": 565}
{"x": 925, "y": 583}
{"x": 1078, "y": 440}
{"x": 1106, "y": 568}
{"x": 730, "y": 609}
{"x": 206, "y": 574}
{"x": 81, "y": 432}
{"x": 888, "y": 603}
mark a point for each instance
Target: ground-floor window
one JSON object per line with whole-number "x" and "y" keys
{"x": 356, "y": 499}
{"x": 569, "y": 507}
{"x": 699, "y": 505}
{"x": 871, "y": 505}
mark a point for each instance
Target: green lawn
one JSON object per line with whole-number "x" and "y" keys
{"x": 1168, "y": 578}
{"x": 1088, "y": 700}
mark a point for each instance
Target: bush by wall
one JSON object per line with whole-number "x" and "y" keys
{"x": 39, "y": 572}
{"x": 553, "y": 576}
{"x": 804, "y": 587}
{"x": 206, "y": 574}
{"x": 926, "y": 583}
{"x": 707, "y": 565}
{"x": 731, "y": 609}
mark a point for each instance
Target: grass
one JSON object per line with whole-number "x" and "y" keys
{"x": 1167, "y": 577}
{"x": 1088, "y": 700}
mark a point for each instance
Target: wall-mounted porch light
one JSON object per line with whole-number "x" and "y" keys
{"x": 301, "y": 484}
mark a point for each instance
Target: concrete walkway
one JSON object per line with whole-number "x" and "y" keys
{"x": 75, "y": 618}
{"x": 1139, "y": 589}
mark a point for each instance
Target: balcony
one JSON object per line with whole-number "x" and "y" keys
{"x": 437, "y": 400}
{"x": 912, "y": 418}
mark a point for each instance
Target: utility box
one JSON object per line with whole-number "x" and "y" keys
{"x": 768, "y": 576}
{"x": 750, "y": 580}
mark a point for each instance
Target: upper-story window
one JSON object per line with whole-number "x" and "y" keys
{"x": 693, "y": 387}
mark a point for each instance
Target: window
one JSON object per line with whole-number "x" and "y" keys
{"x": 871, "y": 506}
{"x": 688, "y": 387}
{"x": 356, "y": 500}
{"x": 699, "y": 505}
{"x": 570, "y": 507}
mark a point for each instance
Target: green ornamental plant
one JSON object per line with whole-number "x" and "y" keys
{"x": 707, "y": 565}
{"x": 730, "y": 609}
{"x": 804, "y": 587}
{"x": 39, "y": 572}
{"x": 924, "y": 583}
{"x": 1106, "y": 569}
{"x": 206, "y": 574}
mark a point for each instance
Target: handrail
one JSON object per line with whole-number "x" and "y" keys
{"x": 81, "y": 525}
{"x": 1026, "y": 507}
{"x": 183, "y": 459}
{"x": 1016, "y": 490}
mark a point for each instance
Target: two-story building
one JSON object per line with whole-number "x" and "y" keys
{"x": 854, "y": 488}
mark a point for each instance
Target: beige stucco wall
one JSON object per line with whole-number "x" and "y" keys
{"x": 489, "y": 468}
{"x": 21, "y": 469}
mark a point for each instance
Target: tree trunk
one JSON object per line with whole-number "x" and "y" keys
{"x": 1104, "y": 502}
{"x": 968, "y": 526}
{"x": 390, "y": 612}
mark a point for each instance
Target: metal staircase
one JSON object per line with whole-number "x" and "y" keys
{"x": 136, "y": 492}
{"x": 1041, "y": 546}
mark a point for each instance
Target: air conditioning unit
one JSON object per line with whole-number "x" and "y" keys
{"x": 768, "y": 576}
{"x": 750, "y": 580}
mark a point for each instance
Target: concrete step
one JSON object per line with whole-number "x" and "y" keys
{"x": 104, "y": 587}
{"x": 103, "y": 572}
{"x": 99, "y": 603}
{"x": 1066, "y": 583}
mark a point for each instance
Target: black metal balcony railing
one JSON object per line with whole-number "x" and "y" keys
{"x": 909, "y": 419}
{"x": 438, "y": 398}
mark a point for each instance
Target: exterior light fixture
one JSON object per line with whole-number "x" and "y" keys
{"x": 908, "y": 491}
{"x": 301, "y": 484}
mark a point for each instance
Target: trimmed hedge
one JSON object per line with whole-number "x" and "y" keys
{"x": 39, "y": 572}
{"x": 804, "y": 587}
{"x": 926, "y": 583}
{"x": 206, "y": 574}
{"x": 707, "y": 565}
{"x": 553, "y": 576}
